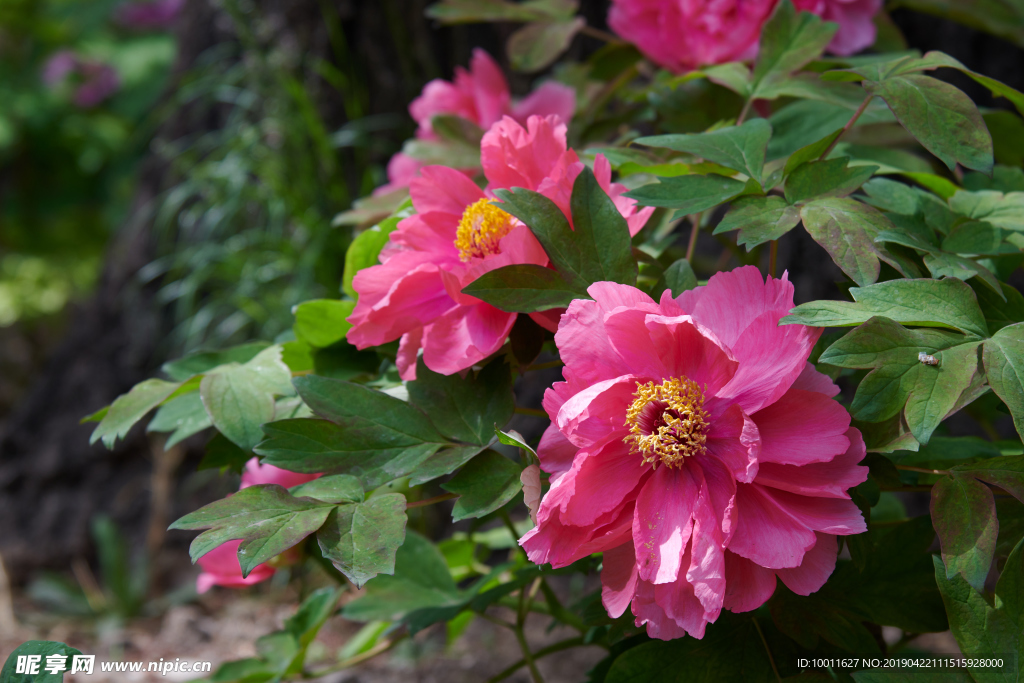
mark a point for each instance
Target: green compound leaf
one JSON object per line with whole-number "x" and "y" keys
{"x": 523, "y": 288}
{"x": 536, "y": 45}
{"x": 942, "y": 118}
{"x": 182, "y": 416}
{"x": 465, "y": 409}
{"x": 1003, "y": 210}
{"x": 828, "y": 178}
{"x": 964, "y": 516}
{"x": 929, "y": 303}
{"x": 485, "y": 484}
{"x": 688, "y": 193}
{"x": 741, "y": 148}
{"x": 759, "y": 220}
{"x": 322, "y": 322}
{"x": 678, "y": 278}
{"x": 898, "y": 377}
{"x": 334, "y": 488}
{"x": 361, "y": 539}
{"x": 847, "y": 230}
{"x": 789, "y": 40}
{"x": 1006, "y": 472}
{"x": 1003, "y": 357}
{"x": 129, "y": 408}
{"x": 63, "y": 655}
{"x": 376, "y": 456}
{"x": 266, "y": 517}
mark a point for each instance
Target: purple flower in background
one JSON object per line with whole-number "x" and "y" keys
{"x": 93, "y": 80}
{"x": 152, "y": 14}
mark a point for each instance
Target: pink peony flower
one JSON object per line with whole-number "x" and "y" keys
{"x": 255, "y": 473}
{"x": 856, "y": 28}
{"x": 149, "y": 14}
{"x": 221, "y": 568}
{"x": 480, "y": 95}
{"x": 682, "y": 36}
{"x": 456, "y": 236}
{"x": 94, "y": 81}
{"x": 693, "y": 444}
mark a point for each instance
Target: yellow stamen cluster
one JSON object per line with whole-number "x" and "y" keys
{"x": 481, "y": 229}
{"x": 667, "y": 422}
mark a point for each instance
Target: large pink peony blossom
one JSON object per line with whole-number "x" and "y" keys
{"x": 221, "y": 568}
{"x": 456, "y": 236}
{"x": 480, "y": 95}
{"x": 682, "y": 35}
{"x": 694, "y": 445}
{"x": 255, "y": 473}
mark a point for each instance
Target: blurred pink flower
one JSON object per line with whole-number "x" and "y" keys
{"x": 456, "y": 236}
{"x": 93, "y": 81}
{"x": 682, "y": 36}
{"x": 480, "y": 95}
{"x": 149, "y": 14}
{"x": 693, "y": 444}
{"x": 221, "y": 568}
{"x": 255, "y": 473}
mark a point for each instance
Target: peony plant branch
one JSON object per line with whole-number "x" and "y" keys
{"x": 695, "y": 221}
{"x": 849, "y": 124}
{"x": 561, "y": 645}
{"x": 430, "y": 501}
{"x": 525, "y": 599}
{"x": 767, "y": 650}
{"x": 607, "y": 37}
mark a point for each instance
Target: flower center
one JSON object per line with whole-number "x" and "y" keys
{"x": 481, "y": 229}
{"x": 667, "y": 422}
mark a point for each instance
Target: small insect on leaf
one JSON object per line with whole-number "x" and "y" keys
{"x": 927, "y": 359}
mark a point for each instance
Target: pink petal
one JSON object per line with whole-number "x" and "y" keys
{"x": 429, "y": 232}
{"x": 648, "y": 612}
{"x": 631, "y": 341}
{"x": 618, "y": 579}
{"x": 734, "y": 439}
{"x": 408, "y": 353}
{"x": 548, "y": 98}
{"x": 802, "y": 427}
{"x": 603, "y": 481}
{"x": 443, "y": 190}
{"x": 555, "y": 451}
{"x": 830, "y": 479}
{"x": 512, "y": 156}
{"x": 561, "y": 545}
{"x": 680, "y": 603}
{"x": 548, "y": 319}
{"x": 598, "y": 413}
{"x": 690, "y": 351}
{"x": 255, "y": 473}
{"x": 747, "y": 585}
{"x": 722, "y": 487}
{"x": 819, "y": 563}
{"x": 831, "y": 515}
{"x": 766, "y": 534}
{"x": 706, "y": 572}
{"x": 812, "y": 380}
{"x": 663, "y": 522}
{"x": 465, "y": 336}
{"x": 490, "y": 89}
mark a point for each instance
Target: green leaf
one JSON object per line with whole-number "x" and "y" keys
{"x": 599, "y": 248}
{"x": 1004, "y": 210}
{"x": 184, "y": 416}
{"x": 788, "y": 41}
{"x": 677, "y": 278}
{"x": 374, "y": 455}
{"x": 222, "y": 454}
{"x": 523, "y": 288}
{"x": 516, "y": 440}
{"x": 485, "y": 484}
{"x": 928, "y": 303}
{"x": 198, "y": 363}
{"x": 973, "y": 237}
{"x": 361, "y": 539}
{"x": 360, "y": 409}
{"x": 334, "y": 488}
{"x": 982, "y": 630}
{"x": 810, "y": 152}
{"x": 941, "y": 117}
{"x": 934, "y": 59}
{"x": 456, "y": 129}
{"x": 322, "y": 322}
{"x": 536, "y": 45}
{"x": 899, "y": 378}
{"x": 964, "y": 516}
{"x": 365, "y": 251}
{"x": 421, "y": 580}
{"x": 1006, "y": 472}
{"x": 237, "y": 405}
{"x": 759, "y": 220}
{"x": 266, "y": 517}
{"x": 741, "y": 148}
{"x": 473, "y": 11}
{"x": 829, "y": 178}
{"x": 129, "y": 408}
{"x": 316, "y": 609}
{"x": 1000, "y": 311}
{"x": 847, "y": 229}
{"x": 688, "y": 193}
{"x": 731, "y": 650}
{"x": 443, "y": 462}
{"x": 1003, "y": 356}
{"x": 41, "y": 649}
{"x": 465, "y": 409}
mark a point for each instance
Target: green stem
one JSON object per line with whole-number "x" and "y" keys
{"x": 695, "y": 220}
{"x": 767, "y": 649}
{"x": 773, "y": 257}
{"x": 550, "y": 649}
{"x": 379, "y": 648}
{"x": 743, "y": 113}
{"x": 558, "y": 611}
{"x": 525, "y": 598}
{"x": 601, "y": 35}
{"x": 922, "y": 470}
{"x": 430, "y": 501}
{"x": 848, "y": 126}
